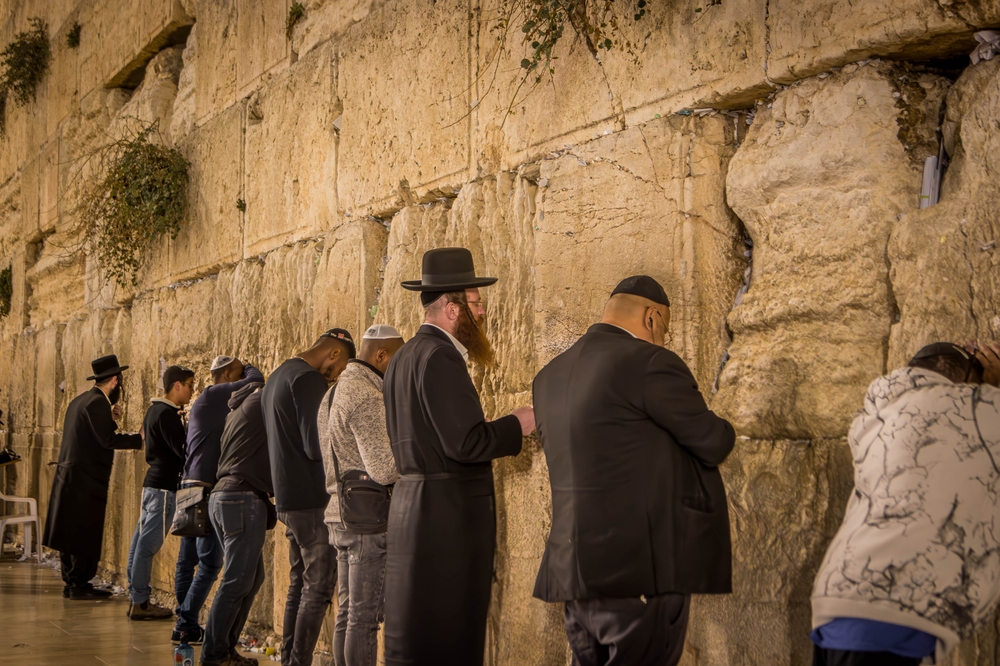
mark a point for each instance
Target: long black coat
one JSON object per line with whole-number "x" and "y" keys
{"x": 75, "y": 522}
{"x": 638, "y": 505}
{"x": 442, "y": 520}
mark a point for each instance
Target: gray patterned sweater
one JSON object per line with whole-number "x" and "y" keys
{"x": 919, "y": 545}
{"x": 351, "y": 423}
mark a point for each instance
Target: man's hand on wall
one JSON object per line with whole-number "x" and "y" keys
{"x": 116, "y": 412}
{"x": 989, "y": 356}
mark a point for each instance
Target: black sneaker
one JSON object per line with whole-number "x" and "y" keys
{"x": 193, "y": 637}
{"x": 87, "y": 594}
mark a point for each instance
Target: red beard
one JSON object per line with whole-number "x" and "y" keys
{"x": 474, "y": 338}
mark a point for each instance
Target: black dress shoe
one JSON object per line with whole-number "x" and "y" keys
{"x": 87, "y": 593}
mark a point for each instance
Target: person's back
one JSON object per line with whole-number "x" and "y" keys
{"x": 290, "y": 404}
{"x": 916, "y": 557}
{"x": 244, "y": 463}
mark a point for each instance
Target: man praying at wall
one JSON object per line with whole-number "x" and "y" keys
{"x": 915, "y": 566}
{"x": 639, "y": 514}
{"x": 165, "y": 441}
{"x": 75, "y": 522}
{"x": 355, "y": 443}
{"x": 442, "y": 521}
{"x": 205, "y": 425}
{"x": 290, "y": 402}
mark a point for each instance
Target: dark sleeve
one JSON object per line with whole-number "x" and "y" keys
{"x": 308, "y": 390}
{"x": 173, "y": 432}
{"x": 673, "y": 401}
{"x": 454, "y": 408}
{"x": 250, "y": 375}
{"x": 104, "y": 428}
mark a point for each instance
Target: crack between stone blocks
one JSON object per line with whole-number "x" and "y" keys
{"x": 972, "y": 275}
{"x": 767, "y": 43}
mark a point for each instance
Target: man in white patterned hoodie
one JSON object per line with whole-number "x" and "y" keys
{"x": 915, "y": 566}
{"x": 353, "y": 436}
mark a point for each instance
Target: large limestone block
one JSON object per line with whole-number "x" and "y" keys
{"x": 806, "y": 38}
{"x": 824, "y": 172}
{"x": 328, "y": 20}
{"x": 786, "y": 501}
{"x": 153, "y": 100}
{"x": 260, "y": 40}
{"x": 215, "y": 66}
{"x": 119, "y": 39}
{"x": 290, "y": 169}
{"x": 48, "y": 376}
{"x": 645, "y": 201}
{"x": 404, "y": 83}
{"x": 945, "y": 259}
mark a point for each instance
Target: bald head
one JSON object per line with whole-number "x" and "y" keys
{"x": 329, "y": 355}
{"x": 643, "y": 318}
{"x": 378, "y": 353}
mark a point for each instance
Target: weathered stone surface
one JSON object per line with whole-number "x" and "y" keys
{"x": 824, "y": 172}
{"x": 215, "y": 66}
{"x": 291, "y": 155}
{"x": 406, "y": 129}
{"x": 261, "y": 41}
{"x": 644, "y": 201}
{"x": 328, "y": 19}
{"x": 806, "y": 38}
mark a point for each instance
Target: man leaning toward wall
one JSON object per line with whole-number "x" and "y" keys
{"x": 165, "y": 437}
{"x": 355, "y": 443}
{"x": 205, "y": 425}
{"x": 639, "y": 514}
{"x": 915, "y": 566}
{"x": 442, "y": 520}
{"x": 290, "y": 402}
{"x": 79, "y": 499}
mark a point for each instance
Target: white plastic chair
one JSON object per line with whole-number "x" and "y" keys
{"x": 25, "y": 519}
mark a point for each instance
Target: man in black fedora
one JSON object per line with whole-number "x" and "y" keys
{"x": 442, "y": 522}
{"x": 75, "y": 522}
{"x": 639, "y": 514}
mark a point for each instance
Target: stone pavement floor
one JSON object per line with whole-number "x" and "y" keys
{"x": 39, "y": 627}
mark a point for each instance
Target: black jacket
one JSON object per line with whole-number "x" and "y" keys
{"x": 442, "y": 520}
{"x": 165, "y": 439}
{"x": 75, "y": 522}
{"x": 244, "y": 463}
{"x": 638, "y": 505}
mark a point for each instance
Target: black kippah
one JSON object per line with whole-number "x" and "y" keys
{"x": 645, "y": 286}
{"x": 428, "y": 297}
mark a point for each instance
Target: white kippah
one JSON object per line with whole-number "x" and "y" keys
{"x": 220, "y": 362}
{"x": 381, "y": 332}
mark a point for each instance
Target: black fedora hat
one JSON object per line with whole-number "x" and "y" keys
{"x": 106, "y": 366}
{"x": 448, "y": 269}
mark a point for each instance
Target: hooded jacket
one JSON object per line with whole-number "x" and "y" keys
{"x": 919, "y": 546}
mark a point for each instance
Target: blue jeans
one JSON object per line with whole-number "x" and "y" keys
{"x": 360, "y": 596}
{"x": 240, "y": 522}
{"x": 312, "y": 583}
{"x": 192, "y": 588}
{"x": 154, "y": 522}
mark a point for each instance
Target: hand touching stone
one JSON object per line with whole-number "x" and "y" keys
{"x": 526, "y": 416}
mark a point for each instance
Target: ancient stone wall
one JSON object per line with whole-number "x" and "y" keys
{"x": 761, "y": 158}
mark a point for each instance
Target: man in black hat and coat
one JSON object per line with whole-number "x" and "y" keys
{"x": 442, "y": 522}
{"x": 639, "y": 514}
{"x": 75, "y": 522}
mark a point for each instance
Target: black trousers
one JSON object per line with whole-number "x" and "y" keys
{"x": 824, "y": 657}
{"x": 76, "y": 570}
{"x": 628, "y": 632}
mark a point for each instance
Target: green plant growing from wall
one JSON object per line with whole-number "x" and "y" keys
{"x": 73, "y": 36}
{"x": 23, "y": 63}
{"x": 295, "y": 13}
{"x": 138, "y": 195}
{"x": 543, "y": 24}
{"x": 6, "y": 290}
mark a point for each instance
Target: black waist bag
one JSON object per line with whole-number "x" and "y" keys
{"x": 364, "y": 504}
{"x": 191, "y": 516}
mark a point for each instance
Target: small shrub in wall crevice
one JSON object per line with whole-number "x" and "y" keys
{"x": 138, "y": 195}
{"x": 23, "y": 63}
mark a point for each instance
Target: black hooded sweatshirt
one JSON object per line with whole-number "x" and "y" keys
{"x": 165, "y": 438}
{"x": 244, "y": 463}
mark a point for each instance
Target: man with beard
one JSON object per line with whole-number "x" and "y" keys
{"x": 75, "y": 522}
{"x": 290, "y": 402}
{"x": 442, "y": 522}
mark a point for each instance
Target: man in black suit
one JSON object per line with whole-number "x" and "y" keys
{"x": 75, "y": 522}
{"x": 442, "y": 521}
{"x": 639, "y": 514}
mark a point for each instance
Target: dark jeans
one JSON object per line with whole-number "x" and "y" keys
{"x": 360, "y": 596}
{"x": 77, "y": 571}
{"x": 628, "y": 632}
{"x": 192, "y": 588}
{"x": 313, "y": 581}
{"x": 240, "y": 522}
{"x": 823, "y": 657}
